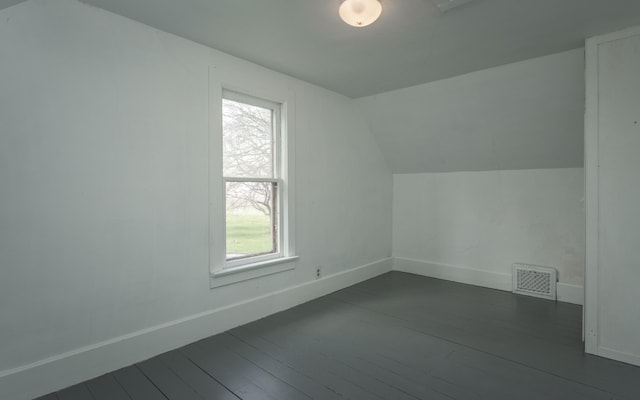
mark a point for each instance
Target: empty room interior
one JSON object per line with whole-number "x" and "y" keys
{"x": 319, "y": 199}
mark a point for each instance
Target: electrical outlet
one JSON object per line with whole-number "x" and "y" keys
{"x": 318, "y": 272}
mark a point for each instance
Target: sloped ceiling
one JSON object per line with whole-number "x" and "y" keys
{"x": 9, "y": 3}
{"x": 412, "y": 43}
{"x": 526, "y": 115}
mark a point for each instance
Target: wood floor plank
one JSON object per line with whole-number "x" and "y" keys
{"x": 76, "y": 392}
{"x": 206, "y": 386}
{"x": 376, "y": 359}
{"x": 393, "y": 387}
{"x": 284, "y": 371}
{"x": 467, "y": 320}
{"x": 333, "y": 373}
{"x": 492, "y": 304}
{"x": 167, "y": 381}
{"x": 254, "y": 392}
{"x": 106, "y": 387}
{"x": 211, "y": 354}
{"x": 536, "y": 384}
{"x": 333, "y": 381}
{"x": 228, "y": 375}
{"x": 137, "y": 385}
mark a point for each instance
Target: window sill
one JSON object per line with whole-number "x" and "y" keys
{"x": 246, "y": 272}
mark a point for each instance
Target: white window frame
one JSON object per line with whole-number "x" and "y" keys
{"x": 222, "y": 271}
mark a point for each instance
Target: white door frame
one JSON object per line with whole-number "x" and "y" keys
{"x": 591, "y": 162}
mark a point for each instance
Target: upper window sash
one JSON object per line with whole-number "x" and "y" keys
{"x": 249, "y": 140}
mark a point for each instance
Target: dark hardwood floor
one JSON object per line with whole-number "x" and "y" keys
{"x": 397, "y": 336}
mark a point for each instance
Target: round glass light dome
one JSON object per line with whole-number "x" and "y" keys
{"x": 360, "y": 13}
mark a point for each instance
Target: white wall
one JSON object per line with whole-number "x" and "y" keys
{"x": 104, "y": 195}
{"x": 525, "y": 115}
{"x": 471, "y": 226}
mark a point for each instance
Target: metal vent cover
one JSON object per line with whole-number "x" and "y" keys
{"x": 534, "y": 280}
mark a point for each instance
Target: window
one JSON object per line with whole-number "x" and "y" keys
{"x": 252, "y": 169}
{"x": 251, "y": 181}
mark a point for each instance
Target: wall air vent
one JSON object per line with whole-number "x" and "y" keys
{"x": 446, "y": 5}
{"x": 533, "y": 280}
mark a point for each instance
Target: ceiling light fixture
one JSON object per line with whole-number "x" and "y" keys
{"x": 360, "y": 13}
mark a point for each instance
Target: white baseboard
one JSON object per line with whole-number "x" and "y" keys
{"x": 629, "y": 358}
{"x": 63, "y": 370}
{"x": 567, "y": 293}
{"x": 453, "y": 273}
{"x": 573, "y": 294}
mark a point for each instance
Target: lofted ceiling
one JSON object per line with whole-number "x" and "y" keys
{"x": 412, "y": 42}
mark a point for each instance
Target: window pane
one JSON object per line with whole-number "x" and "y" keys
{"x": 247, "y": 137}
{"x": 251, "y": 218}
